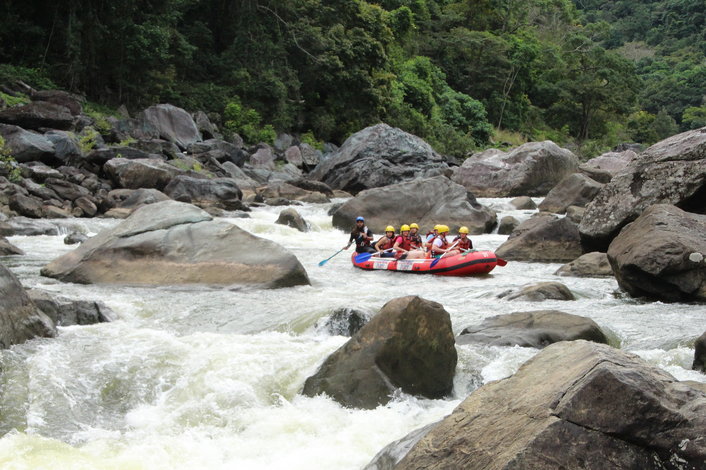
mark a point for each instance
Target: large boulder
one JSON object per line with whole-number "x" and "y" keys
{"x": 291, "y": 218}
{"x": 427, "y": 201}
{"x": 408, "y": 345}
{"x": 172, "y": 242}
{"x": 264, "y": 157}
{"x": 531, "y": 169}
{"x": 38, "y": 115}
{"x": 173, "y": 124}
{"x": 594, "y": 264}
{"x": 544, "y": 238}
{"x": 27, "y": 206}
{"x": 574, "y": 405}
{"x": 66, "y": 312}
{"x": 220, "y": 192}
{"x": 700, "y": 353}
{"x": 539, "y": 292}
{"x": 141, "y": 173}
{"x": 27, "y": 146}
{"x": 7, "y": 248}
{"x": 286, "y": 190}
{"x": 378, "y": 156}
{"x": 27, "y": 227}
{"x": 574, "y": 190}
{"x": 669, "y": 172}
{"x": 604, "y": 167}
{"x": 70, "y": 101}
{"x": 19, "y": 318}
{"x": 134, "y": 198}
{"x": 507, "y": 225}
{"x": 536, "y": 329}
{"x": 661, "y": 255}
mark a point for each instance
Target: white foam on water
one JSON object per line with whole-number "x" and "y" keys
{"x": 202, "y": 377}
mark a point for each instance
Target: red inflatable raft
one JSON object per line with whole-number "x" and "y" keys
{"x": 465, "y": 264}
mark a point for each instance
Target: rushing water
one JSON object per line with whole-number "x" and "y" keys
{"x": 207, "y": 378}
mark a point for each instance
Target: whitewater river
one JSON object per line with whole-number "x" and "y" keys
{"x": 190, "y": 378}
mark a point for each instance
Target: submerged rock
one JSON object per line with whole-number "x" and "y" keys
{"x": 408, "y": 345}
{"x": 669, "y": 172}
{"x": 540, "y": 291}
{"x": 531, "y": 169}
{"x": 427, "y": 201}
{"x": 7, "y": 248}
{"x": 536, "y": 329}
{"x": 345, "y": 321}
{"x": 291, "y": 218}
{"x": 575, "y": 404}
{"x": 594, "y": 264}
{"x": 543, "y": 238}
{"x": 19, "y": 318}
{"x": 65, "y": 312}
{"x": 662, "y": 255}
{"x": 171, "y": 242}
{"x": 700, "y": 353}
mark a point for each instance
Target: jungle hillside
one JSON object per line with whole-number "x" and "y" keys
{"x": 464, "y": 75}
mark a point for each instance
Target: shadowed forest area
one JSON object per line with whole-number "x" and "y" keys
{"x": 463, "y": 75}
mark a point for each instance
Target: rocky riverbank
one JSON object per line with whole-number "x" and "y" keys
{"x": 169, "y": 173}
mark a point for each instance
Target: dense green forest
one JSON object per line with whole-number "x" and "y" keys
{"x": 461, "y": 74}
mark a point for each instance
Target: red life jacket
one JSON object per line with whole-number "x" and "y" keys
{"x": 444, "y": 242}
{"x": 404, "y": 242}
{"x": 463, "y": 244}
{"x": 415, "y": 240}
{"x": 387, "y": 242}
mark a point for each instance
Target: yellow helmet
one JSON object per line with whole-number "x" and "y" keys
{"x": 443, "y": 228}
{"x": 404, "y": 228}
{"x": 414, "y": 225}
{"x": 390, "y": 228}
{"x": 436, "y": 227}
{"x": 463, "y": 230}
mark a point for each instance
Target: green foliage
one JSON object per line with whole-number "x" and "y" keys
{"x": 8, "y": 164}
{"x": 33, "y": 77}
{"x": 310, "y": 139}
{"x": 11, "y": 101}
{"x": 88, "y": 140}
{"x": 247, "y": 123}
{"x": 694, "y": 117}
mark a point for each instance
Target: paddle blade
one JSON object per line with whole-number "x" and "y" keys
{"x": 435, "y": 262}
{"x": 321, "y": 263}
{"x": 363, "y": 257}
{"x": 501, "y": 262}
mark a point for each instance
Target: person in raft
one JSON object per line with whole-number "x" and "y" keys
{"x": 385, "y": 244}
{"x": 464, "y": 243}
{"x": 403, "y": 248}
{"x": 414, "y": 237}
{"x": 440, "y": 245}
{"x": 361, "y": 236}
{"x": 430, "y": 237}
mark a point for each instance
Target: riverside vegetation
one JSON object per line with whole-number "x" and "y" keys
{"x": 460, "y": 74}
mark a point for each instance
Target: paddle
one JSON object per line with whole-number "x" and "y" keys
{"x": 366, "y": 256}
{"x": 434, "y": 263}
{"x": 321, "y": 263}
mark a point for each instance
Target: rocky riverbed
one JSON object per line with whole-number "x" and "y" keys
{"x": 177, "y": 315}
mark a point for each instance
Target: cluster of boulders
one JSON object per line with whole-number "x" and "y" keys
{"x": 638, "y": 216}
{"x": 577, "y": 400}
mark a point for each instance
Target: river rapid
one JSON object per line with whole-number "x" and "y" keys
{"x": 190, "y": 378}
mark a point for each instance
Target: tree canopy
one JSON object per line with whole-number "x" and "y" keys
{"x": 453, "y": 72}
